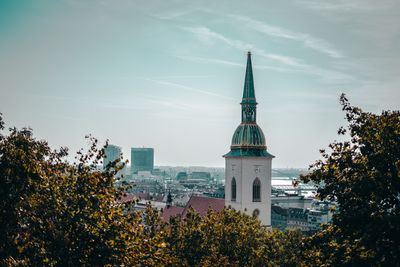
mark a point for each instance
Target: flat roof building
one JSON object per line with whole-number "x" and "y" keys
{"x": 111, "y": 153}
{"x": 142, "y": 159}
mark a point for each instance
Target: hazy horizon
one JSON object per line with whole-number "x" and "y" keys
{"x": 169, "y": 75}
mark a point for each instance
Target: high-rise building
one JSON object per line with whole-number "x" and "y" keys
{"x": 111, "y": 153}
{"x": 248, "y": 164}
{"x": 142, "y": 159}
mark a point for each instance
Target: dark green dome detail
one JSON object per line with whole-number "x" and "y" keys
{"x": 248, "y": 135}
{"x": 244, "y": 152}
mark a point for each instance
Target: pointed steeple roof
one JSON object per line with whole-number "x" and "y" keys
{"x": 248, "y": 90}
{"x": 248, "y": 139}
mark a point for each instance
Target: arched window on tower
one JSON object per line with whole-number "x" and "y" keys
{"x": 256, "y": 190}
{"x": 233, "y": 189}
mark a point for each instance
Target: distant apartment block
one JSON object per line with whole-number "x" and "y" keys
{"x": 181, "y": 176}
{"x": 279, "y": 217}
{"x": 206, "y": 176}
{"x": 142, "y": 159}
{"x": 316, "y": 218}
{"x": 307, "y": 220}
{"x": 111, "y": 153}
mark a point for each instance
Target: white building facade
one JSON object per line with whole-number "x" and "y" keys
{"x": 248, "y": 165}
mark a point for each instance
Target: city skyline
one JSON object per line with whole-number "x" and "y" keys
{"x": 170, "y": 76}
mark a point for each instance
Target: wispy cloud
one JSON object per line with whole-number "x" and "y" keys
{"x": 185, "y": 76}
{"x": 172, "y": 104}
{"x": 170, "y": 15}
{"x": 346, "y": 5}
{"x": 210, "y": 61}
{"x": 230, "y": 63}
{"x": 377, "y": 23}
{"x": 210, "y": 37}
{"x": 176, "y": 14}
{"x": 145, "y": 103}
{"x": 188, "y": 88}
{"x": 308, "y": 40}
{"x": 122, "y": 107}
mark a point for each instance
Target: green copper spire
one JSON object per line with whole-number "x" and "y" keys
{"x": 249, "y": 99}
{"x": 248, "y": 139}
{"x": 248, "y": 91}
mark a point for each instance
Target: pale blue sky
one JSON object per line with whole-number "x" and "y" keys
{"x": 169, "y": 74}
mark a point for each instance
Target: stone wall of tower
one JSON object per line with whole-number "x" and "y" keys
{"x": 246, "y": 170}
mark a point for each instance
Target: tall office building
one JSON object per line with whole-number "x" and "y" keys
{"x": 111, "y": 153}
{"x": 142, "y": 159}
{"x": 248, "y": 164}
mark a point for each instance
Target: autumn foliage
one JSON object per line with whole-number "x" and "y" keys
{"x": 363, "y": 176}
{"x": 57, "y": 213}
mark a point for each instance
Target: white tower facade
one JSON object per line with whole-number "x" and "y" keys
{"x": 248, "y": 165}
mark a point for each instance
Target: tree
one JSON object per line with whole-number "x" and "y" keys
{"x": 362, "y": 176}
{"x": 55, "y": 213}
{"x": 169, "y": 199}
{"x": 230, "y": 238}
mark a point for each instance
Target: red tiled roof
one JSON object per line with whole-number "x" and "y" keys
{"x": 170, "y": 212}
{"x": 158, "y": 197}
{"x": 143, "y": 196}
{"x": 127, "y": 198}
{"x": 201, "y": 204}
{"x": 134, "y": 196}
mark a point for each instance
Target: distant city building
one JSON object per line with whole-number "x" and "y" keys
{"x": 279, "y": 217}
{"x": 308, "y": 220}
{"x": 217, "y": 192}
{"x": 146, "y": 184}
{"x": 142, "y": 159}
{"x": 291, "y": 201}
{"x": 158, "y": 172}
{"x": 316, "y": 218}
{"x": 206, "y": 176}
{"x": 111, "y": 153}
{"x": 181, "y": 176}
{"x": 297, "y": 219}
{"x": 248, "y": 164}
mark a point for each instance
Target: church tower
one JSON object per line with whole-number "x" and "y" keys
{"x": 248, "y": 164}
